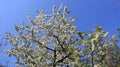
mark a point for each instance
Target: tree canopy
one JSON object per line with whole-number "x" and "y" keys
{"x": 52, "y": 40}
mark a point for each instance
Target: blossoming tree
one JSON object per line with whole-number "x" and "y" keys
{"x": 52, "y": 41}
{"x": 101, "y": 50}
{"x": 49, "y": 41}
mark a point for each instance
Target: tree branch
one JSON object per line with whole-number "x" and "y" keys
{"x": 43, "y": 46}
{"x": 61, "y": 45}
{"x": 54, "y": 62}
{"x": 61, "y": 60}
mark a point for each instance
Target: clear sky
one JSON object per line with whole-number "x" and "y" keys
{"x": 89, "y": 13}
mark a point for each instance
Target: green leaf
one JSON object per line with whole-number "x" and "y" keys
{"x": 80, "y": 34}
{"x": 23, "y": 23}
{"x": 91, "y": 36}
{"x": 99, "y": 28}
{"x": 27, "y": 26}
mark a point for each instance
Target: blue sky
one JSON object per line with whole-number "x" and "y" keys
{"x": 89, "y": 13}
